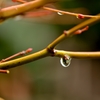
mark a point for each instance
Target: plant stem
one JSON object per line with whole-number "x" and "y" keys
{"x": 72, "y": 30}
{"x": 61, "y": 53}
{"x": 15, "y": 10}
{"x": 69, "y": 13}
{"x": 23, "y": 60}
{"x": 8, "y": 12}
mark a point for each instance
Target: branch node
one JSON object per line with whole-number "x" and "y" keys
{"x": 81, "y": 30}
{"x": 65, "y": 32}
{"x": 51, "y": 51}
{"x": 80, "y": 16}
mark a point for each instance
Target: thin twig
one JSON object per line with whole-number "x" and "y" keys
{"x": 4, "y": 71}
{"x": 24, "y": 60}
{"x": 81, "y": 16}
{"x": 16, "y": 55}
{"x": 72, "y": 30}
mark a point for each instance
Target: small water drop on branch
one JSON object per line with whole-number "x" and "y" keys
{"x": 65, "y": 61}
{"x": 59, "y": 13}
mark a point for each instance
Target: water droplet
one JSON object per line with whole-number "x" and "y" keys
{"x": 59, "y": 13}
{"x": 65, "y": 61}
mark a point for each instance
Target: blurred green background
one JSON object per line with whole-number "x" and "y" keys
{"x": 46, "y": 79}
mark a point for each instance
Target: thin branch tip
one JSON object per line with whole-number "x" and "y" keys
{"x": 4, "y": 71}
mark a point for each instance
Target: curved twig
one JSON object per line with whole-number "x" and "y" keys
{"x": 72, "y": 30}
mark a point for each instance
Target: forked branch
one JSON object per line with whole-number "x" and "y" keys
{"x": 50, "y": 49}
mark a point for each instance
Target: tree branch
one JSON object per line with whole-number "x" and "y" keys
{"x": 24, "y": 60}
{"x": 61, "y": 53}
{"x": 8, "y": 12}
{"x": 72, "y": 30}
{"x": 49, "y": 50}
{"x": 60, "y": 12}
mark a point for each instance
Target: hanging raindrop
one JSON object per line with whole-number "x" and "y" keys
{"x": 65, "y": 61}
{"x": 59, "y": 13}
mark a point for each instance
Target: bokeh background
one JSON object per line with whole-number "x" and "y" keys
{"x": 46, "y": 79}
